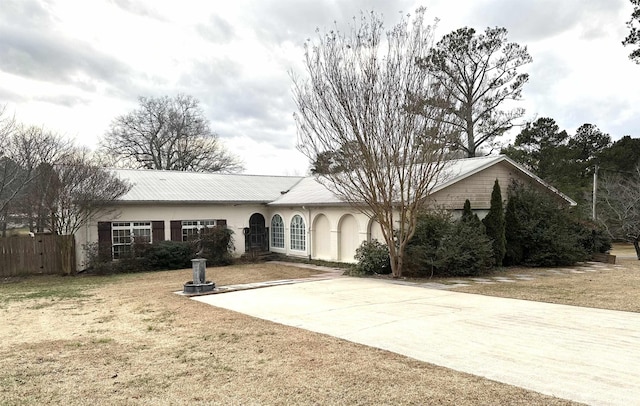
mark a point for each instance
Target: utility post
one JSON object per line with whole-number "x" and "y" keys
{"x": 595, "y": 191}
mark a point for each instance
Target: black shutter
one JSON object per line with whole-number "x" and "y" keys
{"x": 104, "y": 241}
{"x": 157, "y": 231}
{"x": 176, "y": 230}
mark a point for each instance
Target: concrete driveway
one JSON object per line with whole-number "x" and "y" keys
{"x": 576, "y": 353}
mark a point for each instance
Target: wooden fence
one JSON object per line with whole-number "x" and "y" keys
{"x": 32, "y": 255}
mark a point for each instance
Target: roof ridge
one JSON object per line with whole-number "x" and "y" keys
{"x": 156, "y": 171}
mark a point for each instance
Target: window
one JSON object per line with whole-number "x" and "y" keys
{"x": 277, "y": 232}
{"x": 298, "y": 241}
{"x": 192, "y": 229}
{"x": 126, "y": 233}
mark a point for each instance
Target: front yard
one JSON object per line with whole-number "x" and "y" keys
{"x": 128, "y": 339}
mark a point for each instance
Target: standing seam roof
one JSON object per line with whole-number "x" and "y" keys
{"x": 177, "y": 186}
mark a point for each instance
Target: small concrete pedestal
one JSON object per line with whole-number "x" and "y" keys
{"x": 199, "y": 284}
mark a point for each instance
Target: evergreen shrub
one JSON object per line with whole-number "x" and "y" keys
{"x": 539, "y": 232}
{"x": 373, "y": 258}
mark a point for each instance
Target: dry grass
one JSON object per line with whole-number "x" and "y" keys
{"x": 611, "y": 287}
{"x": 624, "y": 250}
{"x": 130, "y": 340}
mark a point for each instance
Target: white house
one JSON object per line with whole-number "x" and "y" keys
{"x": 295, "y": 216}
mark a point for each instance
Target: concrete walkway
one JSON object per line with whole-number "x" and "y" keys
{"x": 581, "y": 354}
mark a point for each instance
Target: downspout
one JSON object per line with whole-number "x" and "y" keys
{"x": 309, "y": 233}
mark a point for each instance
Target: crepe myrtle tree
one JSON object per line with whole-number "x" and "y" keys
{"x": 358, "y": 122}
{"x": 477, "y": 73}
{"x": 80, "y": 190}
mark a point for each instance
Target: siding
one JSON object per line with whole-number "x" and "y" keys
{"x": 477, "y": 188}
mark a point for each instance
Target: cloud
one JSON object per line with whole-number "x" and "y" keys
{"x": 217, "y": 30}
{"x": 27, "y": 13}
{"x": 65, "y": 100}
{"x": 139, "y": 8}
{"x": 535, "y": 20}
{"x": 255, "y": 103}
{"x": 7, "y": 95}
{"x": 295, "y": 20}
{"x": 43, "y": 55}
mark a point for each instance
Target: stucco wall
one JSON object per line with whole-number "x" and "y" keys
{"x": 237, "y": 217}
{"x": 334, "y": 235}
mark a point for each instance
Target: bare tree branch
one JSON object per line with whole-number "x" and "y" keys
{"x": 80, "y": 191}
{"x": 168, "y": 133}
{"x": 357, "y": 120}
{"x": 619, "y": 208}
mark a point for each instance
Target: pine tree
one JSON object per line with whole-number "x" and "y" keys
{"x": 494, "y": 224}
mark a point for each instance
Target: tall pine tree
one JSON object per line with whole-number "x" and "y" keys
{"x": 494, "y": 224}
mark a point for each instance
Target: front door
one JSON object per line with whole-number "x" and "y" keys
{"x": 257, "y": 238}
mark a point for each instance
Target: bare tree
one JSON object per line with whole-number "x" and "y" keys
{"x": 168, "y": 133}
{"x": 11, "y": 174}
{"x": 619, "y": 208}
{"x": 478, "y": 73}
{"x": 357, "y": 122}
{"x": 80, "y": 191}
{"x": 37, "y": 150}
{"x": 25, "y": 150}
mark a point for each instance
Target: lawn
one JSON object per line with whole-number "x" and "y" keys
{"x": 610, "y": 287}
{"x": 128, "y": 339}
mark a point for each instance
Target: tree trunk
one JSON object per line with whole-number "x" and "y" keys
{"x": 397, "y": 262}
{"x": 636, "y": 245}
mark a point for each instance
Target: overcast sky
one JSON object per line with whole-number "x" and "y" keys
{"x": 72, "y": 66}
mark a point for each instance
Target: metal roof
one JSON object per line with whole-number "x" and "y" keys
{"x": 311, "y": 192}
{"x": 194, "y": 187}
{"x": 177, "y": 186}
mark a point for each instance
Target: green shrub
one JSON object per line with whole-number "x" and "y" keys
{"x": 464, "y": 251}
{"x": 494, "y": 224}
{"x": 431, "y": 227}
{"x": 592, "y": 238}
{"x": 443, "y": 247}
{"x": 372, "y": 257}
{"x": 539, "y": 231}
{"x": 165, "y": 255}
{"x": 217, "y": 246}
{"x": 469, "y": 216}
{"x": 96, "y": 260}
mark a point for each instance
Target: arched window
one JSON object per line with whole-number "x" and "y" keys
{"x": 277, "y": 232}
{"x": 298, "y": 239}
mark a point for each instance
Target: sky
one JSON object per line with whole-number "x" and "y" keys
{"x": 73, "y": 66}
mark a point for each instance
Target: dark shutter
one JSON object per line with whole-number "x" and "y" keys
{"x": 221, "y": 223}
{"x": 157, "y": 231}
{"x": 104, "y": 241}
{"x": 176, "y": 230}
